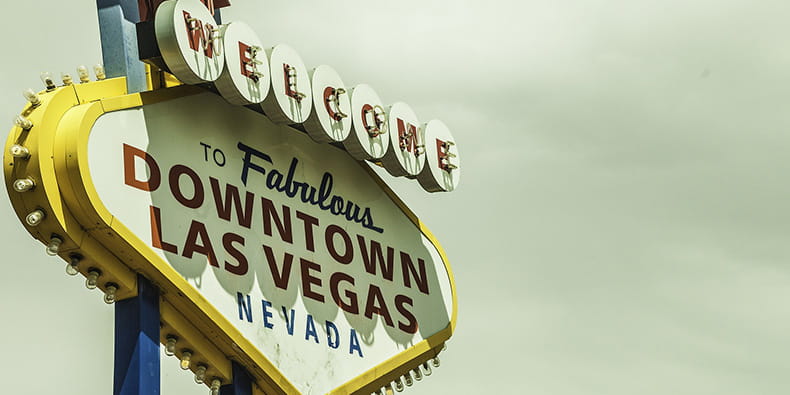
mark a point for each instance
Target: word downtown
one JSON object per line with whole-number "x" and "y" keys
{"x": 353, "y": 288}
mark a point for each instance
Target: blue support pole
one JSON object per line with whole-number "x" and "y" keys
{"x": 137, "y": 342}
{"x": 117, "y": 19}
{"x": 242, "y": 383}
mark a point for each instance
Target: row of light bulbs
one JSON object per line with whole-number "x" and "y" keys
{"x": 37, "y": 216}
{"x": 22, "y": 185}
{"x": 407, "y": 380}
{"x": 186, "y": 360}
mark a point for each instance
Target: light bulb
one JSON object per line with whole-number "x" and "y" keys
{"x": 54, "y": 245}
{"x": 32, "y": 97}
{"x": 46, "y": 78}
{"x": 98, "y": 70}
{"x": 18, "y": 151}
{"x": 186, "y": 357}
{"x": 417, "y": 373}
{"x": 427, "y": 368}
{"x": 23, "y": 122}
{"x": 200, "y": 373}
{"x": 388, "y": 389}
{"x": 170, "y": 345}
{"x": 436, "y": 362}
{"x": 109, "y": 293}
{"x": 66, "y": 77}
{"x": 82, "y": 71}
{"x": 35, "y": 217}
{"x": 407, "y": 379}
{"x": 92, "y": 279}
{"x": 73, "y": 267}
{"x": 215, "y": 384}
{"x": 398, "y": 385}
{"x": 24, "y": 185}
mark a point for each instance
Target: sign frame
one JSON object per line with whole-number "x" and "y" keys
{"x": 64, "y": 190}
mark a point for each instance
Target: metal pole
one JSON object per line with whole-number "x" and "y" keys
{"x": 117, "y": 19}
{"x": 137, "y": 342}
{"x": 242, "y": 383}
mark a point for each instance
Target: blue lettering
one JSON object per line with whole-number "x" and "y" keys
{"x": 321, "y": 197}
{"x": 354, "y": 344}
{"x": 248, "y": 152}
{"x": 289, "y": 323}
{"x": 310, "y": 329}
{"x": 267, "y": 314}
{"x": 244, "y": 308}
{"x": 330, "y": 328}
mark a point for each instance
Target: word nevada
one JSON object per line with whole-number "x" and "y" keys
{"x": 275, "y": 81}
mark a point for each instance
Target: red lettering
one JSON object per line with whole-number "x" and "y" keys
{"x": 309, "y": 223}
{"x": 175, "y": 187}
{"x": 227, "y": 241}
{"x": 280, "y": 277}
{"x": 283, "y": 226}
{"x": 232, "y": 198}
{"x": 376, "y": 255}
{"x": 308, "y": 280}
{"x": 198, "y": 230}
{"x": 246, "y": 62}
{"x": 329, "y": 237}
{"x": 330, "y": 96}
{"x": 375, "y": 305}
{"x": 129, "y": 174}
{"x": 410, "y": 271}
{"x": 334, "y": 287}
{"x": 400, "y": 303}
{"x": 156, "y": 232}
{"x": 199, "y": 35}
{"x": 290, "y": 83}
{"x": 407, "y": 135}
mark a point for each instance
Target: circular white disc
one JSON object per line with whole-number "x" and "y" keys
{"x": 186, "y": 34}
{"x": 442, "y": 169}
{"x": 361, "y": 143}
{"x": 246, "y": 78}
{"x": 330, "y": 120}
{"x": 405, "y": 156}
{"x": 292, "y": 97}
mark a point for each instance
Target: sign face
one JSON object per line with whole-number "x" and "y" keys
{"x": 294, "y": 243}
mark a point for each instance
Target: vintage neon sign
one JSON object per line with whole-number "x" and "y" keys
{"x": 198, "y": 52}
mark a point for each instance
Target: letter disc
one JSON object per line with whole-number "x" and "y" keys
{"x": 246, "y": 78}
{"x": 443, "y": 164}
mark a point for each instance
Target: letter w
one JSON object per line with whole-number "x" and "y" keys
{"x": 376, "y": 255}
{"x": 232, "y": 198}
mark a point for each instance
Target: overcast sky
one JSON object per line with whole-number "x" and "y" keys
{"x": 621, "y": 226}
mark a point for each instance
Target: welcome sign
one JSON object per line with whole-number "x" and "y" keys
{"x": 270, "y": 249}
{"x": 275, "y": 248}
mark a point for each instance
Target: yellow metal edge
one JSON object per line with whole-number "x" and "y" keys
{"x": 398, "y": 365}
{"x": 426, "y": 348}
{"x": 127, "y": 244}
{"x": 46, "y": 195}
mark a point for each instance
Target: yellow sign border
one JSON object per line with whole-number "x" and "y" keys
{"x": 64, "y": 190}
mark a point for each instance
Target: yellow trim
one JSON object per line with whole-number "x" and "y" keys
{"x": 59, "y": 146}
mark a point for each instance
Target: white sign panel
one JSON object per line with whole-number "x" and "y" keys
{"x": 292, "y": 241}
